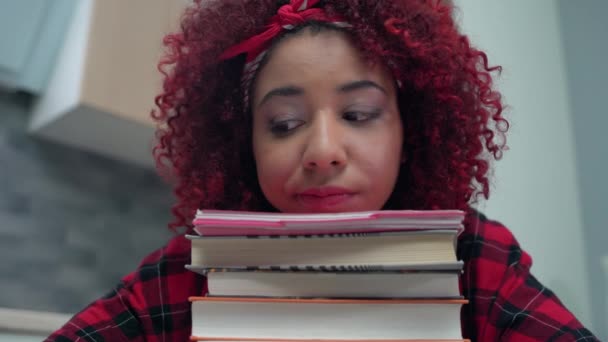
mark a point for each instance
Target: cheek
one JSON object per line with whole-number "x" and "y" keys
{"x": 275, "y": 164}
{"x": 381, "y": 158}
{"x": 381, "y": 165}
{"x": 382, "y": 149}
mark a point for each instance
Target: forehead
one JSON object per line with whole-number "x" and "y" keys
{"x": 317, "y": 59}
{"x": 315, "y": 50}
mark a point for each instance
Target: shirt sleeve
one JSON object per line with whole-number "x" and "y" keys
{"x": 150, "y": 304}
{"x": 110, "y": 318}
{"x": 525, "y": 310}
{"x": 507, "y": 303}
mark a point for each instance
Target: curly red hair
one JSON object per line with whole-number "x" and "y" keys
{"x": 452, "y": 116}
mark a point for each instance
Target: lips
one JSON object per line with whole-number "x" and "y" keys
{"x": 324, "y": 198}
{"x": 325, "y": 191}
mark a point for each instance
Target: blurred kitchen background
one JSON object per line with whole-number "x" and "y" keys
{"x": 81, "y": 203}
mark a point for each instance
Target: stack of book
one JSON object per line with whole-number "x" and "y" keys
{"x": 360, "y": 276}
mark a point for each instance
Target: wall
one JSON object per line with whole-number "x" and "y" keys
{"x": 584, "y": 30}
{"x": 71, "y": 223}
{"x": 535, "y": 192}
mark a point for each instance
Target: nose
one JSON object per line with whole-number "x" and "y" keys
{"x": 325, "y": 145}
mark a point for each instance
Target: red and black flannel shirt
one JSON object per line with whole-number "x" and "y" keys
{"x": 506, "y": 303}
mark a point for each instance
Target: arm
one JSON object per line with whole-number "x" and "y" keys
{"x": 507, "y": 303}
{"x": 150, "y": 304}
{"x": 525, "y": 310}
{"x": 109, "y": 318}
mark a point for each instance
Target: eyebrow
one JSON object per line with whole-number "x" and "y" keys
{"x": 282, "y": 91}
{"x": 288, "y": 91}
{"x": 352, "y": 86}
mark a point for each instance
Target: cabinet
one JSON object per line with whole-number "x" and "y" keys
{"x": 103, "y": 85}
{"x": 31, "y": 34}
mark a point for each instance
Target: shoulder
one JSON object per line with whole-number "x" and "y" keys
{"x": 162, "y": 279}
{"x": 489, "y": 251}
{"x": 169, "y": 259}
{"x": 488, "y": 243}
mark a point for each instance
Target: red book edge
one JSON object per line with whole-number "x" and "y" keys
{"x": 325, "y": 301}
{"x": 253, "y": 339}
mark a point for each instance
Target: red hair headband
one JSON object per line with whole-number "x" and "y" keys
{"x": 288, "y": 17}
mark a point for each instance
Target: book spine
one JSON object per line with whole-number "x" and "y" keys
{"x": 203, "y": 270}
{"x": 319, "y": 268}
{"x": 455, "y": 267}
{"x": 241, "y": 339}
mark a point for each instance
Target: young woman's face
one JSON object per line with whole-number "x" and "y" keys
{"x": 327, "y": 134}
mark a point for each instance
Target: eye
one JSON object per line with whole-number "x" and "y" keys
{"x": 284, "y": 127}
{"x": 356, "y": 116}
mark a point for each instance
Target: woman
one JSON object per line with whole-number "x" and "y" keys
{"x": 329, "y": 106}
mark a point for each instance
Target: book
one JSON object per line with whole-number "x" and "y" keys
{"x": 306, "y": 284}
{"x": 348, "y": 251}
{"x": 229, "y": 318}
{"x": 238, "y": 223}
{"x": 361, "y": 276}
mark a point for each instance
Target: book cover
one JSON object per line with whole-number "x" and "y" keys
{"x": 371, "y": 250}
{"x": 325, "y": 319}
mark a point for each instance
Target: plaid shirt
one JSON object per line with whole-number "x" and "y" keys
{"x": 506, "y": 302}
